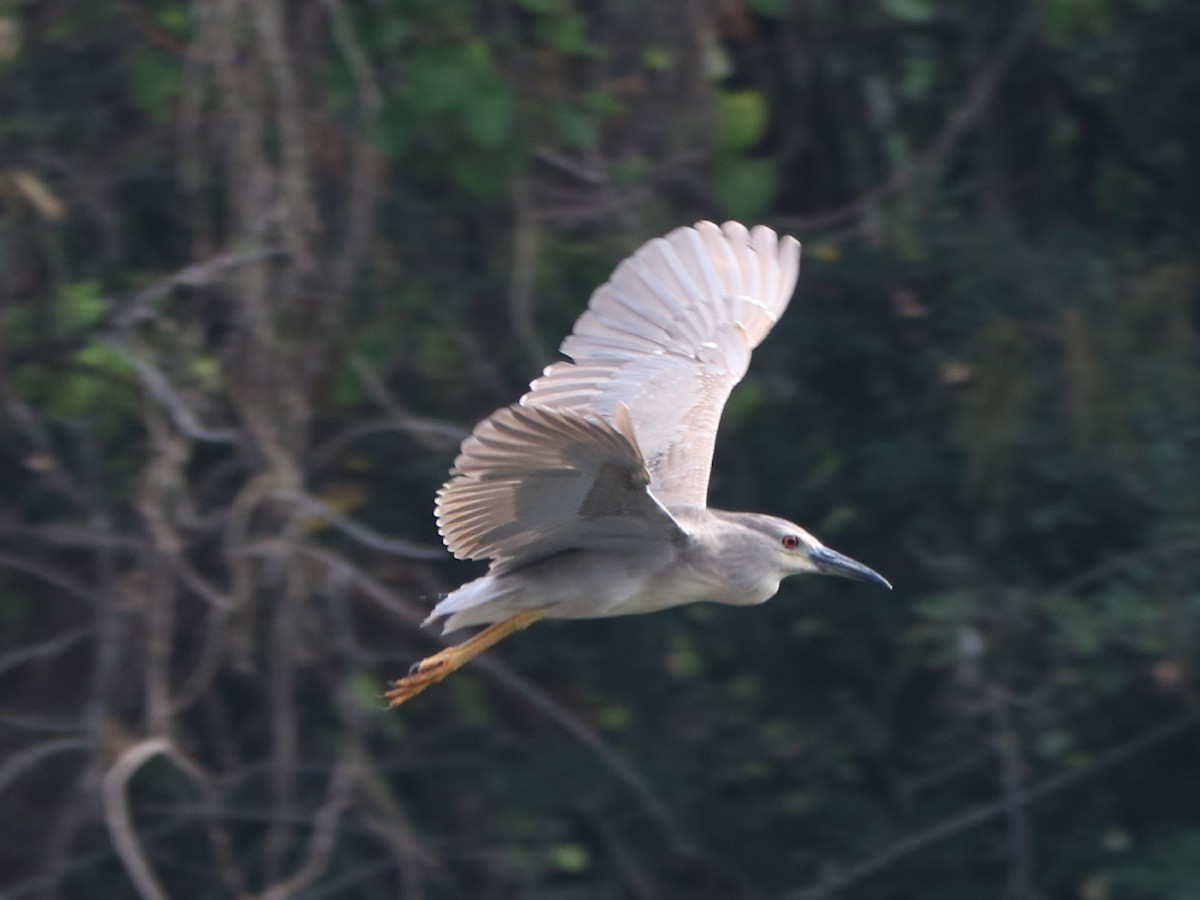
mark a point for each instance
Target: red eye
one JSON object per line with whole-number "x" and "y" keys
{"x": 790, "y": 542}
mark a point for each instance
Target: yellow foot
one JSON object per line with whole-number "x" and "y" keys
{"x": 427, "y": 672}
{"x": 434, "y": 668}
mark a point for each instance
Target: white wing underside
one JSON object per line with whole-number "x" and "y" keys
{"x": 669, "y": 336}
{"x": 600, "y": 447}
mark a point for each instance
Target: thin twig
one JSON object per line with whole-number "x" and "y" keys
{"x": 208, "y": 665}
{"x": 157, "y": 602}
{"x": 428, "y": 432}
{"x": 575, "y": 169}
{"x": 1119, "y": 563}
{"x": 634, "y": 875}
{"x": 283, "y": 664}
{"x": 16, "y": 764}
{"x": 153, "y": 33}
{"x": 321, "y": 845}
{"x": 51, "y": 575}
{"x": 957, "y": 126}
{"x": 51, "y": 647}
{"x": 46, "y": 461}
{"x": 310, "y": 506}
{"x": 141, "y": 307}
{"x": 1013, "y": 778}
{"x": 390, "y": 823}
{"x": 159, "y": 387}
{"x": 341, "y": 887}
{"x": 988, "y": 811}
{"x": 417, "y": 425}
{"x": 71, "y": 536}
{"x": 29, "y": 722}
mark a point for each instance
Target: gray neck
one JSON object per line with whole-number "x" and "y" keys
{"x": 734, "y": 550}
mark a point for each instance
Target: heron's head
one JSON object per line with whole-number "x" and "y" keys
{"x": 793, "y": 551}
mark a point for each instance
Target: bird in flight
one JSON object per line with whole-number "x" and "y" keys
{"x": 590, "y": 494}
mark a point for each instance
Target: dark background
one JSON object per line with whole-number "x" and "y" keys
{"x": 264, "y": 262}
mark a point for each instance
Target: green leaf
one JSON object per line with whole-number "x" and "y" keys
{"x": 62, "y": 29}
{"x": 628, "y": 171}
{"x": 1054, "y": 744}
{"x": 1065, "y": 20}
{"x": 914, "y": 12}
{"x": 440, "y": 80}
{"x": 1166, "y": 867}
{"x": 393, "y": 130}
{"x": 748, "y": 401}
{"x": 363, "y": 689}
{"x": 566, "y": 33}
{"x": 746, "y": 188}
{"x": 487, "y": 116}
{"x": 485, "y": 176}
{"x": 657, "y": 58}
{"x": 156, "y": 84}
{"x": 176, "y": 19}
{"x": 951, "y": 608}
{"x": 81, "y": 305}
{"x": 576, "y": 127}
{"x": 773, "y": 9}
{"x": 103, "y": 358}
{"x": 18, "y": 326}
{"x": 612, "y": 717}
{"x": 392, "y": 32}
{"x": 603, "y": 101}
{"x": 741, "y": 120}
{"x": 918, "y": 77}
{"x": 572, "y": 858}
{"x": 684, "y": 661}
{"x": 206, "y": 370}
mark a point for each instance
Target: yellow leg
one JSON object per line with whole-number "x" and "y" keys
{"x": 434, "y": 668}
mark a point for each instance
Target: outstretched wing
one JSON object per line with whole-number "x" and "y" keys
{"x": 533, "y": 481}
{"x": 668, "y": 336}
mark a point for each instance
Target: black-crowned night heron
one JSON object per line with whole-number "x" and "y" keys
{"x": 589, "y": 495}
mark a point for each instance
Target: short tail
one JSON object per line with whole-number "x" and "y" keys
{"x": 477, "y": 602}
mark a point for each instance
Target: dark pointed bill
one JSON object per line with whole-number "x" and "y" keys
{"x": 830, "y": 562}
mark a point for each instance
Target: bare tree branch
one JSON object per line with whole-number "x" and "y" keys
{"x": 51, "y": 576}
{"x": 324, "y": 837}
{"x": 988, "y": 811}
{"x": 16, "y": 765}
{"x": 49, "y": 647}
{"x": 958, "y": 125}
{"x": 159, "y": 387}
{"x": 120, "y": 821}
{"x": 427, "y": 431}
{"x": 308, "y": 505}
{"x": 140, "y": 307}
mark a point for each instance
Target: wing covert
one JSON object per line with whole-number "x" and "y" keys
{"x": 531, "y": 482}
